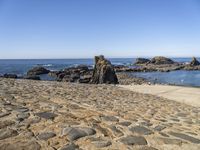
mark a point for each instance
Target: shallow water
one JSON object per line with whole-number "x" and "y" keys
{"x": 180, "y": 77}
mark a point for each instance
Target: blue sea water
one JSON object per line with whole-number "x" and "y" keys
{"x": 181, "y": 77}
{"x": 21, "y": 66}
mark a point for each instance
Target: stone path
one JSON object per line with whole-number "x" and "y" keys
{"x": 45, "y": 115}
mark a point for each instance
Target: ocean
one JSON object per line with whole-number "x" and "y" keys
{"x": 181, "y": 77}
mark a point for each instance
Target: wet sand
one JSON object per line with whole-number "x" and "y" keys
{"x": 52, "y": 115}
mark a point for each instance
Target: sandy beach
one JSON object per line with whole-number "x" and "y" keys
{"x": 56, "y": 115}
{"x": 187, "y": 95}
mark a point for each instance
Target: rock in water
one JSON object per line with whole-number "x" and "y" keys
{"x": 142, "y": 61}
{"x": 194, "y": 62}
{"x": 159, "y": 60}
{"x": 103, "y": 72}
{"x": 37, "y": 71}
{"x": 14, "y": 76}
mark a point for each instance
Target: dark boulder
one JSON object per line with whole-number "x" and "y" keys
{"x": 194, "y": 62}
{"x": 159, "y": 60}
{"x": 103, "y": 72}
{"x": 37, "y": 71}
{"x": 60, "y": 76}
{"x": 13, "y": 76}
{"x": 70, "y": 78}
{"x": 141, "y": 61}
{"x": 80, "y": 69}
{"x": 85, "y": 79}
{"x": 122, "y": 68}
{"x": 73, "y": 74}
{"x": 31, "y": 77}
{"x": 54, "y": 73}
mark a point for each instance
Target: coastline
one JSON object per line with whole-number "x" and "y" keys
{"x": 56, "y": 115}
{"x": 60, "y": 70}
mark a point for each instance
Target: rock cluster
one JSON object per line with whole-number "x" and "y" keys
{"x": 81, "y": 74}
{"x": 37, "y": 71}
{"x": 142, "y": 61}
{"x": 103, "y": 72}
{"x": 159, "y": 60}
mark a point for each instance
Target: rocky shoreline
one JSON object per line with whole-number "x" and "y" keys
{"x": 161, "y": 64}
{"x": 104, "y": 71}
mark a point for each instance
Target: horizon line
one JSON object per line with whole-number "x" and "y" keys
{"x": 98, "y": 55}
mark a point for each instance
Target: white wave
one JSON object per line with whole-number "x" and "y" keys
{"x": 47, "y": 65}
{"x": 187, "y": 63}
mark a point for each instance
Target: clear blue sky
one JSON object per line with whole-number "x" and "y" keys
{"x": 84, "y": 28}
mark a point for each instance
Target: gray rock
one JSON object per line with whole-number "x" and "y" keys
{"x": 102, "y": 143}
{"x": 170, "y": 141}
{"x": 146, "y": 123}
{"x": 141, "y": 61}
{"x": 71, "y": 146}
{"x": 182, "y": 114}
{"x": 3, "y": 114}
{"x": 163, "y": 134}
{"x": 13, "y": 76}
{"x": 102, "y": 130}
{"x": 175, "y": 119}
{"x": 6, "y": 133}
{"x": 125, "y": 123}
{"x": 6, "y": 123}
{"x": 115, "y": 131}
{"x": 46, "y": 135}
{"x": 133, "y": 140}
{"x": 26, "y": 145}
{"x": 141, "y": 130}
{"x": 34, "y": 120}
{"x": 76, "y": 133}
{"x": 85, "y": 79}
{"x": 194, "y": 62}
{"x": 185, "y": 137}
{"x": 159, "y": 60}
{"x": 103, "y": 72}
{"x": 46, "y": 115}
{"x": 110, "y": 118}
{"x": 159, "y": 128}
{"x": 37, "y": 71}
{"x": 23, "y": 116}
{"x": 22, "y": 109}
{"x": 146, "y": 148}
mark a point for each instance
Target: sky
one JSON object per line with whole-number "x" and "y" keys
{"x": 84, "y": 28}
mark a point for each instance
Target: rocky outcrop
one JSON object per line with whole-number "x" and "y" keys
{"x": 80, "y": 74}
{"x": 103, "y": 72}
{"x": 194, "y": 62}
{"x": 159, "y": 60}
{"x": 7, "y": 75}
{"x": 141, "y": 61}
{"x": 37, "y": 71}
